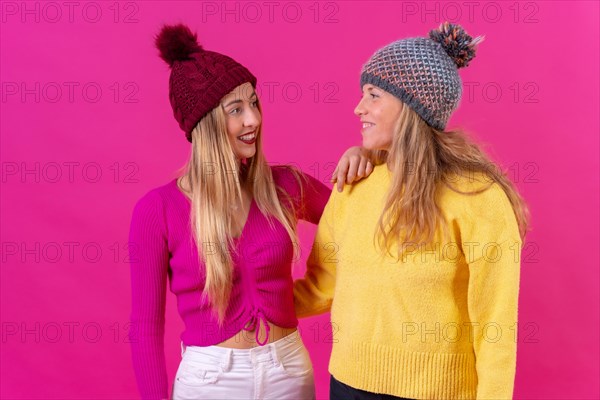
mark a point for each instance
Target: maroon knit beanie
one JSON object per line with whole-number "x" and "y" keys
{"x": 199, "y": 78}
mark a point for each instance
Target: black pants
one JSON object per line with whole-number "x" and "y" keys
{"x": 341, "y": 391}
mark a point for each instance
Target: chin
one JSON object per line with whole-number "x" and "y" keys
{"x": 367, "y": 144}
{"x": 246, "y": 154}
{"x": 371, "y": 145}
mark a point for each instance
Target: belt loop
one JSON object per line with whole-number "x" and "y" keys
{"x": 226, "y": 362}
{"x": 182, "y": 348}
{"x": 276, "y": 354}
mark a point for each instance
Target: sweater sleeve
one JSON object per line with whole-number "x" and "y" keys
{"x": 492, "y": 247}
{"x": 149, "y": 260}
{"x": 313, "y": 294}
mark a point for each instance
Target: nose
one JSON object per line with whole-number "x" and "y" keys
{"x": 252, "y": 118}
{"x": 360, "y": 109}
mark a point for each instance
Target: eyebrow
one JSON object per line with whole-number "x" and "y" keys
{"x": 238, "y": 100}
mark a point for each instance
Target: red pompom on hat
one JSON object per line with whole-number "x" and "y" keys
{"x": 199, "y": 78}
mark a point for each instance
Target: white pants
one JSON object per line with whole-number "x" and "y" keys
{"x": 278, "y": 370}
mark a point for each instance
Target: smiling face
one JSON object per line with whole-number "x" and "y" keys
{"x": 243, "y": 120}
{"x": 379, "y": 112}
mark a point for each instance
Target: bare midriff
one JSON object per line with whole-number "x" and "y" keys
{"x": 247, "y": 339}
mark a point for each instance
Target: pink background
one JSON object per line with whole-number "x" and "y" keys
{"x": 65, "y": 277}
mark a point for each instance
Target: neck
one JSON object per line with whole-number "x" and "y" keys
{"x": 242, "y": 170}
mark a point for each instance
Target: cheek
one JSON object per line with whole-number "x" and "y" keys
{"x": 258, "y": 117}
{"x": 232, "y": 128}
{"x": 385, "y": 131}
{"x": 389, "y": 133}
{"x": 390, "y": 123}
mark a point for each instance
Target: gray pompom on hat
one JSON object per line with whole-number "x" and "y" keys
{"x": 423, "y": 72}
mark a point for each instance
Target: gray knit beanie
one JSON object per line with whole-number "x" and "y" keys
{"x": 423, "y": 72}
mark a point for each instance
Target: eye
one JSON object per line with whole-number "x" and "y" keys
{"x": 373, "y": 95}
{"x": 254, "y": 103}
{"x": 235, "y": 110}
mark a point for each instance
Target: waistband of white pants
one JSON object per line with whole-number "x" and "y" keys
{"x": 275, "y": 349}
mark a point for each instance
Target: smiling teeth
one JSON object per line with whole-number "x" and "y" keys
{"x": 249, "y": 136}
{"x": 366, "y": 124}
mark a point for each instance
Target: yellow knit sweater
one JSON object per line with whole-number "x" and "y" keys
{"x": 440, "y": 323}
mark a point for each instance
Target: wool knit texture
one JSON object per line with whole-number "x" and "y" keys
{"x": 196, "y": 86}
{"x": 423, "y": 72}
{"x": 439, "y": 323}
{"x": 199, "y": 78}
{"x": 164, "y": 250}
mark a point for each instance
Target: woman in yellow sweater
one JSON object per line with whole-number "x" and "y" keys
{"x": 419, "y": 263}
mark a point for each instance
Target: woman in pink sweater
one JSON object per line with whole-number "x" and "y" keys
{"x": 223, "y": 234}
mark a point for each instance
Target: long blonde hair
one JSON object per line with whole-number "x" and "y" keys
{"x": 420, "y": 159}
{"x": 216, "y": 181}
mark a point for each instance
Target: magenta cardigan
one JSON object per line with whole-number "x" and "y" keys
{"x": 162, "y": 246}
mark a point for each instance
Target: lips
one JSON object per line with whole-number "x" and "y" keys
{"x": 248, "y": 138}
{"x": 366, "y": 125}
